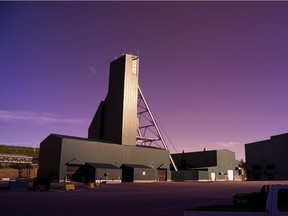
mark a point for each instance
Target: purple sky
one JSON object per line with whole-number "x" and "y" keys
{"x": 214, "y": 73}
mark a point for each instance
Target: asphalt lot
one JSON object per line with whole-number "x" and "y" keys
{"x": 167, "y": 198}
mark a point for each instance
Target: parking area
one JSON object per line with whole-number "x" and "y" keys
{"x": 165, "y": 198}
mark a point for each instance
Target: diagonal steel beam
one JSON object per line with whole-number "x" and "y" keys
{"x": 140, "y": 93}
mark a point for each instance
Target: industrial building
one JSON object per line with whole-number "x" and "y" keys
{"x": 212, "y": 165}
{"x": 266, "y": 159}
{"x": 113, "y": 151}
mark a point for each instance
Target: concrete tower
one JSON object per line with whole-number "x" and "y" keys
{"x": 116, "y": 118}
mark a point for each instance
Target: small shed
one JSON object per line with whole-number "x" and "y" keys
{"x": 98, "y": 172}
{"x": 137, "y": 173}
{"x": 75, "y": 170}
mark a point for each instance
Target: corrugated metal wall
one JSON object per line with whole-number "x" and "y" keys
{"x": 49, "y": 157}
{"x": 117, "y": 121}
{"x": 144, "y": 174}
{"x": 216, "y": 161}
{"x": 113, "y": 174}
{"x": 266, "y": 159}
{"x": 97, "y": 152}
{"x": 130, "y": 120}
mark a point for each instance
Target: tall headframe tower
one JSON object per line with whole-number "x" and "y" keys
{"x": 124, "y": 116}
{"x": 116, "y": 118}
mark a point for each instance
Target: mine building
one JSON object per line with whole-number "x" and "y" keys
{"x": 212, "y": 165}
{"x": 266, "y": 159}
{"x": 119, "y": 146}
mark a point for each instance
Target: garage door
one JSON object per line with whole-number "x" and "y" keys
{"x": 230, "y": 175}
{"x": 162, "y": 174}
{"x": 74, "y": 173}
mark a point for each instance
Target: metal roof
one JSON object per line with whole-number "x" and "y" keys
{"x": 137, "y": 166}
{"x": 163, "y": 166}
{"x": 80, "y": 138}
{"x": 103, "y": 166}
{"x": 100, "y": 141}
{"x": 75, "y": 161}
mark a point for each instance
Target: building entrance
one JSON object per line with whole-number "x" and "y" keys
{"x": 162, "y": 174}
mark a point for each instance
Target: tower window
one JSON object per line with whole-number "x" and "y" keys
{"x": 134, "y": 66}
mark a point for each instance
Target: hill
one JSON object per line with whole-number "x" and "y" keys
{"x": 19, "y": 150}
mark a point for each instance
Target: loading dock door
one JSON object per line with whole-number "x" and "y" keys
{"x": 213, "y": 176}
{"x": 162, "y": 174}
{"x": 74, "y": 173}
{"x": 230, "y": 175}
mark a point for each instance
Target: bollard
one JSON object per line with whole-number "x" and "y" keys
{"x": 90, "y": 185}
{"x": 69, "y": 187}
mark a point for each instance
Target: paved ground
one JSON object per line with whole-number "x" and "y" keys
{"x": 169, "y": 198}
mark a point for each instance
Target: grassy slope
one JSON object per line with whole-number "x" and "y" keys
{"x": 19, "y": 150}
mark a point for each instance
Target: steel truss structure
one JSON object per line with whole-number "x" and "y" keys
{"x": 16, "y": 159}
{"x": 148, "y": 132}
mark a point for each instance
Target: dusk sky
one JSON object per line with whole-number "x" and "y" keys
{"x": 214, "y": 73}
